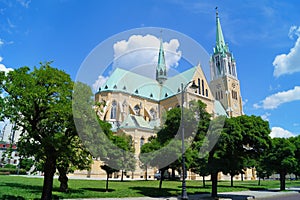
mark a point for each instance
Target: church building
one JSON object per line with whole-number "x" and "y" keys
{"x": 134, "y": 104}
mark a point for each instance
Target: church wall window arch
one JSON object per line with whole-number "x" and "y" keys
{"x": 113, "y": 110}
{"x": 153, "y": 113}
{"x": 137, "y": 109}
{"x": 202, "y": 87}
{"x": 142, "y": 142}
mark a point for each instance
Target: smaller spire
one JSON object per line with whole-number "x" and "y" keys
{"x": 161, "y": 69}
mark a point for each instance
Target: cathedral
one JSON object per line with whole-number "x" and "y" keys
{"x": 134, "y": 104}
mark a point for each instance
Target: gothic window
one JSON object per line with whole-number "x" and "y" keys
{"x": 113, "y": 111}
{"x": 221, "y": 94}
{"x": 153, "y": 114}
{"x": 234, "y": 95}
{"x": 229, "y": 67}
{"x": 233, "y": 70}
{"x": 137, "y": 109}
{"x": 216, "y": 96}
{"x": 206, "y": 92}
{"x": 199, "y": 86}
{"x": 202, "y": 87}
{"x": 115, "y": 86}
{"x": 161, "y": 72}
{"x": 218, "y": 65}
{"x": 142, "y": 141}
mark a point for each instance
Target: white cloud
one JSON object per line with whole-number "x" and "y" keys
{"x": 99, "y": 82}
{"x": 3, "y": 68}
{"x": 274, "y": 100}
{"x": 266, "y": 116}
{"x": 245, "y": 101}
{"x": 140, "y": 51}
{"x": 279, "y": 132}
{"x": 24, "y": 3}
{"x": 289, "y": 63}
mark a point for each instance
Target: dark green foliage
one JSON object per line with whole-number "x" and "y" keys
{"x": 280, "y": 158}
{"x": 26, "y": 163}
{"x": 39, "y": 102}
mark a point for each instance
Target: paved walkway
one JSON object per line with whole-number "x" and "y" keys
{"x": 243, "y": 195}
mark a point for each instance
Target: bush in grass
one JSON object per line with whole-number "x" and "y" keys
{"x": 10, "y": 166}
{"x": 12, "y": 171}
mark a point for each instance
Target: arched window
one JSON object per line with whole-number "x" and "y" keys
{"x": 202, "y": 87}
{"x": 137, "y": 109}
{"x": 153, "y": 114}
{"x": 142, "y": 142}
{"x": 206, "y": 92}
{"x": 199, "y": 86}
{"x": 113, "y": 111}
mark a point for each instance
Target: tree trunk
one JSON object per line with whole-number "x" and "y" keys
{"x": 282, "y": 181}
{"x": 242, "y": 176}
{"x": 122, "y": 175}
{"x": 203, "y": 181}
{"x": 173, "y": 173}
{"x": 259, "y": 181}
{"x": 146, "y": 173}
{"x": 162, "y": 172}
{"x": 231, "y": 180}
{"x": 63, "y": 179}
{"x": 107, "y": 177}
{"x": 49, "y": 170}
{"x": 214, "y": 184}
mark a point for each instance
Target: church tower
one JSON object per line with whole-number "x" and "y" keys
{"x": 224, "y": 80}
{"x": 161, "y": 69}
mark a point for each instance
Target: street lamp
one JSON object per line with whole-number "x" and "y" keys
{"x": 183, "y": 88}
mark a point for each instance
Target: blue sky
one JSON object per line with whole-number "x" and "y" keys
{"x": 263, "y": 35}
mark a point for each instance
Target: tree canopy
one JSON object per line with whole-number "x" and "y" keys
{"x": 39, "y": 102}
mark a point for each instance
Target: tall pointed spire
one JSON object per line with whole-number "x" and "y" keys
{"x": 221, "y": 47}
{"x": 161, "y": 69}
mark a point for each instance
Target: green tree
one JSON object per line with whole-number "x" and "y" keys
{"x": 39, "y": 102}
{"x": 243, "y": 138}
{"x": 26, "y": 163}
{"x": 281, "y": 158}
{"x": 198, "y": 146}
{"x": 2, "y": 77}
{"x": 296, "y": 142}
{"x": 75, "y": 156}
{"x": 161, "y": 150}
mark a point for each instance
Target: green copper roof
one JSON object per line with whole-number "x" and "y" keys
{"x": 221, "y": 47}
{"x": 133, "y": 121}
{"x": 134, "y": 84}
{"x": 219, "y": 109}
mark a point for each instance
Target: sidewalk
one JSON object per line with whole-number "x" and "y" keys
{"x": 243, "y": 195}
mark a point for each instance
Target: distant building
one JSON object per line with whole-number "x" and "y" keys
{"x": 8, "y": 154}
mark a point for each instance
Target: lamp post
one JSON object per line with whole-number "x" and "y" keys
{"x": 183, "y": 88}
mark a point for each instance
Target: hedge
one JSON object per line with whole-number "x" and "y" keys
{"x": 12, "y": 171}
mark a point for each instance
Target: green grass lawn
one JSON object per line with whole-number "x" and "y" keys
{"x": 18, "y": 187}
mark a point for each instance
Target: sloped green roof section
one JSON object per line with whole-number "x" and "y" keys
{"x": 133, "y": 121}
{"x": 134, "y": 84}
{"x": 219, "y": 109}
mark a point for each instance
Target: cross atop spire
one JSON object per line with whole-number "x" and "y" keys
{"x": 221, "y": 47}
{"x": 161, "y": 69}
